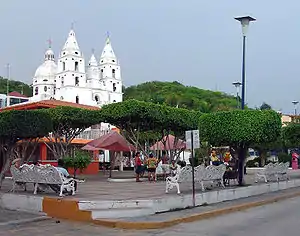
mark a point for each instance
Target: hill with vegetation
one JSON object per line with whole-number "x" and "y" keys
{"x": 17, "y": 86}
{"x": 176, "y": 94}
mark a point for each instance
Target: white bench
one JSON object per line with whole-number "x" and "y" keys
{"x": 41, "y": 174}
{"x": 273, "y": 171}
{"x": 201, "y": 174}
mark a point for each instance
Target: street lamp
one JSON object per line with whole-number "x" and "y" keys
{"x": 237, "y": 86}
{"x": 245, "y": 20}
{"x": 295, "y": 106}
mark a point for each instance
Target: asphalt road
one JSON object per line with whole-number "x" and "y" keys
{"x": 278, "y": 219}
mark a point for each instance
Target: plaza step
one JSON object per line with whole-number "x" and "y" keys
{"x": 117, "y": 213}
{"x": 121, "y": 204}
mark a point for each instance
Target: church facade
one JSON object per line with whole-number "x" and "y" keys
{"x": 70, "y": 79}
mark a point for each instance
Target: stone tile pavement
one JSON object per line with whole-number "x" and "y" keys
{"x": 98, "y": 188}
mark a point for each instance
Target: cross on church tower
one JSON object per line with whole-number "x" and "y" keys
{"x": 49, "y": 42}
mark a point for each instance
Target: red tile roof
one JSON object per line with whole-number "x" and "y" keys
{"x": 17, "y": 94}
{"x": 46, "y": 104}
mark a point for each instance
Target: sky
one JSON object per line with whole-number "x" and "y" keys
{"x": 195, "y": 42}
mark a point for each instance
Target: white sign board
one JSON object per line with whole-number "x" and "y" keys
{"x": 188, "y": 139}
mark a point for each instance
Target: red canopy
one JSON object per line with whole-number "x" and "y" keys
{"x": 112, "y": 141}
{"x": 170, "y": 145}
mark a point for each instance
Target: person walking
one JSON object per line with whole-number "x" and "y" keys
{"x": 151, "y": 164}
{"x": 138, "y": 166}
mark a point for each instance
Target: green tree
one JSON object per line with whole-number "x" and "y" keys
{"x": 240, "y": 129}
{"x": 175, "y": 94}
{"x": 17, "y": 86}
{"x": 291, "y": 135}
{"x": 16, "y": 126}
{"x": 134, "y": 117}
{"x": 265, "y": 106}
{"x": 68, "y": 122}
{"x": 79, "y": 161}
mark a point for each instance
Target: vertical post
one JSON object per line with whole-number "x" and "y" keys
{"x": 193, "y": 168}
{"x": 243, "y": 73}
{"x": 237, "y": 98}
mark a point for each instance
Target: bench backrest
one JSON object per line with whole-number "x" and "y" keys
{"x": 184, "y": 174}
{"x": 212, "y": 172}
{"x": 48, "y": 174}
{"x": 44, "y": 174}
{"x": 23, "y": 174}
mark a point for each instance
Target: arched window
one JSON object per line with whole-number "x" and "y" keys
{"x": 113, "y": 73}
{"x": 114, "y": 87}
{"x": 64, "y": 66}
{"x": 76, "y": 81}
{"x": 62, "y": 82}
{"x": 45, "y": 88}
{"x": 36, "y": 91}
{"x": 77, "y": 99}
{"x": 97, "y": 98}
{"x": 76, "y": 65}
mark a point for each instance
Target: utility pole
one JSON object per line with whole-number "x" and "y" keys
{"x": 8, "y": 78}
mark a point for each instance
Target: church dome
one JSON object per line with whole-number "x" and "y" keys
{"x": 49, "y": 67}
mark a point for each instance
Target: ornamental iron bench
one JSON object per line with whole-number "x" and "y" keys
{"x": 201, "y": 174}
{"x": 273, "y": 171}
{"x": 45, "y": 175}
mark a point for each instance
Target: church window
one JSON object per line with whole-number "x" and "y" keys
{"x": 76, "y": 65}
{"x": 45, "y": 88}
{"x": 114, "y": 100}
{"x": 97, "y": 98}
{"x": 61, "y": 98}
{"x": 101, "y": 61}
{"x": 113, "y": 73}
{"x": 76, "y": 81}
{"x": 64, "y": 53}
{"x": 54, "y": 90}
{"x": 35, "y": 81}
{"x": 62, "y": 82}
{"x": 64, "y": 66}
{"x": 76, "y": 53}
{"x": 36, "y": 91}
{"x": 113, "y": 60}
{"x": 73, "y": 59}
{"x": 114, "y": 87}
{"x": 77, "y": 99}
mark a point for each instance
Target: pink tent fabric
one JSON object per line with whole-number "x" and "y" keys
{"x": 112, "y": 141}
{"x": 169, "y": 140}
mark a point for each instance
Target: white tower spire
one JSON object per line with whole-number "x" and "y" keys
{"x": 110, "y": 73}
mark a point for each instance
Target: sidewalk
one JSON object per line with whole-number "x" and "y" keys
{"x": 168, "y": 219}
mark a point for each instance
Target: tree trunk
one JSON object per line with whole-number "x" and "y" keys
{"x": 242, "y": 151}
{"x": 263, "y": 158}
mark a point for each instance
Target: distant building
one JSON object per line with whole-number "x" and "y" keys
{"x": 13, "y": 98}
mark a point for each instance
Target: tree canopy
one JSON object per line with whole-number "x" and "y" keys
{"x": 17, "y": 86}
{"x": 291, "y": 135}
{"x": 133, "y": 117}
{"x": 68, "y": 122}
{"x": 19, "y": 126}
{"x": 175, "y": 94}
{"x": 240, "y": 129}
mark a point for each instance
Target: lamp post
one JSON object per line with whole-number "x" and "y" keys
{"x": 295, "y": 107}
{"x": 245, "y": 20}
{"x": 237, "y": 86}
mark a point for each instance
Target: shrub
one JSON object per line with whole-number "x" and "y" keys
{"x": 80, "y": 161}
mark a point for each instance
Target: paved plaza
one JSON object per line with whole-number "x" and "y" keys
{"x": 98, "y": 188}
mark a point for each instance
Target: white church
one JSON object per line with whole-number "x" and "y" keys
{"x": 70, "y": 79}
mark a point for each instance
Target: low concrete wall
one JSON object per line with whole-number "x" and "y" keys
{"x": 90, "y": 210}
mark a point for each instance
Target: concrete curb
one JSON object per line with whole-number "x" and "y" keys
{"x": 191, "y": 218}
